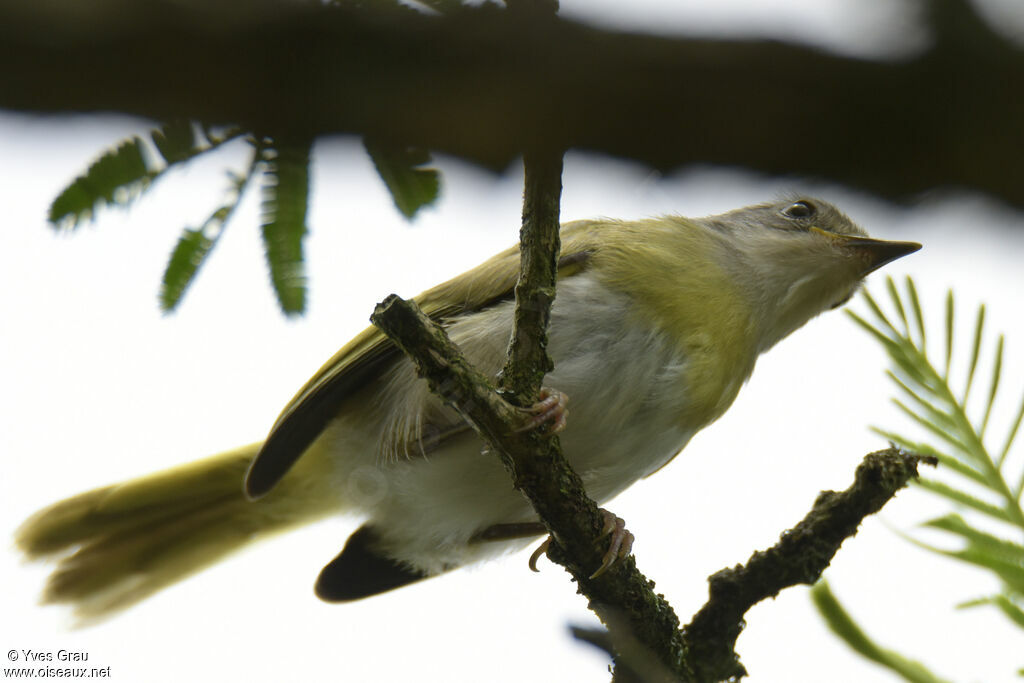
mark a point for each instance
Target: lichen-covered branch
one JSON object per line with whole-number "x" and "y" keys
{"x": 800, "y": 556}
{"x": 539, "y": 245}
{"x": 534, "y": 459}
{"x": 623, "y": 598}
{"x": 704, "y": 650}
{"x": 539, "y": 471}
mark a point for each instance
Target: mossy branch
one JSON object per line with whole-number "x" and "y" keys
{"x": 539, "y": 246}
{"x": 622, "y": 597}
{"x": 800, "y": 556}
{"x": 704, "y": 650}
{"x": 533, "y": 459}
{"x": 541, "y": 473}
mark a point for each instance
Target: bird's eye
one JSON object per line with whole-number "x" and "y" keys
{"x": 801, "y": 209}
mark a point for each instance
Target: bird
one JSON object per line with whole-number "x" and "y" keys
{"x": 656, "y": 325}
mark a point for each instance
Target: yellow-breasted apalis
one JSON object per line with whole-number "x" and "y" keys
{"x": 655, "y": 327}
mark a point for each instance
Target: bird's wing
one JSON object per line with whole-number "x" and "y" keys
{"x": 370, "y": 352}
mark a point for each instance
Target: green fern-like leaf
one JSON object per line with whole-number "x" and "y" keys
{"x": 401, "y": 168}
{"x": 966, "y": 500}
{"x": 981, "y": 483}
{"x": 844, "y": 626}
{"x": 176, "y": 141}
{"x": 195, "y": 245}
{"x": 995, "y": 546}
{"x": 285, "y": 197}
{"x": 1011, "y": 609}
{"x": 931, "y": 401}
{"x": 120, "y": 175}
{"x": 113, "y": 179}
{"x": 192, "y": 248}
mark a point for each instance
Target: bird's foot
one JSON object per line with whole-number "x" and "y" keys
{"x": 541, "y": 549}
{"x": 551, "y": 408}
{"x": 619, "y": 546}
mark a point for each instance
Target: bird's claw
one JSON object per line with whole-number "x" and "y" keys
{"x": 620, "y": 544}
{"x": 541, "y": 549}
{"x": 550, "y": 408}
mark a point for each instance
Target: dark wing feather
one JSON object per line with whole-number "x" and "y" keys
{"x": 306, "y": 416}
{"x": 366, "y": 356}
{"x": 360, "y": 570}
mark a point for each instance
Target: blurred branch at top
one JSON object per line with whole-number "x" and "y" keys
{"x": 482, "y": 82}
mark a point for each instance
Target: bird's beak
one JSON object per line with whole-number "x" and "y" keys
{"x": 873, "y": 253}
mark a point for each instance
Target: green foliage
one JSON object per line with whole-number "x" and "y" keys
{"x": 843, "y": 625}
{"x": 189, "y": 253}
{"x": 412, "y": 187}
{"x": 176, "y": 141}
{"x": 195, "y": 245}
{"x": 113, "y": 179}
{"x": 125, "y": 172}
{"x": 980, "y": 484}
{"x": 285, "y": 198}
{"x": 121, "y": 174}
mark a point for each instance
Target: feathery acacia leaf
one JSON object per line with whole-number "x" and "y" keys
{"x": 979, "y": 331}
{"x": 285, "y": 199}
{"x": 878, "y": 314}
{"x": 1014, "y": 427}
{"x": 176, "y": 141}
{"x": 959, "y": 467}
{"x": 959, "y": 497}
{"x": 871, "y": 329}
{"x": 997, "y": 370}
{"x": 936, "y": 430}
{"x": 195, "y": 245}
{"x": 936, "y": 408}
{"x": 189, "y": 253}
{"x": 113, "y": 179}
{"x": 1011, "y": 573}
{"x": 894, "y": 295}
{"x": 933, "y": 405}
{"x": 974, "y": 602}
{"x": 401, "y": 168}
{"x": 843, "y": 625}
{"x": 949, "y": 332}
{"x": 980, "y": 540}
{"x": 940, "y": 419}
{"x": 123, "y": 173}
{"x": 944, "y": 459}
{"x": 1010, "y": 609}
{"x": 915, "y": 304}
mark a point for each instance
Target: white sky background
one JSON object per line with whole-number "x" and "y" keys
{"x": 97, "y": 386}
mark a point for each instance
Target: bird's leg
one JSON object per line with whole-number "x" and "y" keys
{"x": 550, "y": 408}
{"x": 541, "y": 549}
{"x": 619, "y": 545}
{"x": 509, "y": 532}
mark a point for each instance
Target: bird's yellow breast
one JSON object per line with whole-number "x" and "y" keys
{"x": 672, "y": 271}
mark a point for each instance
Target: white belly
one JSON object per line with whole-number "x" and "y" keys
{"x": 626, "y": 394}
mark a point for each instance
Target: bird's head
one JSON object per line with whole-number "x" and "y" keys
{"x": 796, "y": 258}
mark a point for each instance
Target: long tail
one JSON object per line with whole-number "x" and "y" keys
{"x": 124, "y": 542}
